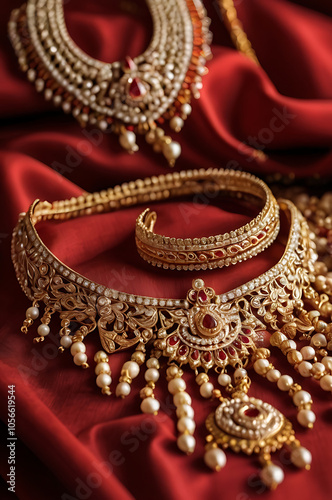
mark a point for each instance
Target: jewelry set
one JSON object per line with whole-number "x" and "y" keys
{"x": 219, "y": 337}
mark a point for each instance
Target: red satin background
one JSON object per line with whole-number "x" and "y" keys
{"x": 67, "y": 432}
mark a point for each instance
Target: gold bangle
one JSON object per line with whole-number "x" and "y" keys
{"x": 193, "y": 254}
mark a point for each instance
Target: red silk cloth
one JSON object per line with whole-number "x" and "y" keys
{"x": 73, "y": 442}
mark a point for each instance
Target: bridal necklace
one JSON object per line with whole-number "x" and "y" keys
{"x": 136, "y": 96}
{"x": 215, "y": 336}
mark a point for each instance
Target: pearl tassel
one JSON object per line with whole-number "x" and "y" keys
{"x": 43, "y": 329}
{"x": 271, "y": 475}
{"x": 301, "y": 399}
{"x": 65, "y": 338}
{"x": 130, "y": 370}
{"x": 31, "y": 314}
{"x": 149, "y": 403}
{"x": 184, "y": 411}
{"x": 103, "y": 372}
{"x": 77, "y": 350}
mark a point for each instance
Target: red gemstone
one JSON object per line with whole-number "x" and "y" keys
{"x": 252, "y": 412}
{"x": 247, "y": 331}
{"x": 260, "y": 236}
{"x": 137, "y": 89}
{"x": 195, "y": 355}
{"x": 183, "y": 350}
{"x": 244, "y": 339}
{"x": 129, "y": 64}
{"x": 193, "y": 295}
{"x": 232, "y": 351}
{"x": 207, "y": 357}
{"x": 263, "y": 338}
{"x": 220, "y": 253}
{"x": 202, "y": 295}
{"x": 222, "y": 355}
{"x": 237, "y": 344}
{"x": 173, "y": 340}
{"x": 209, "y": 322}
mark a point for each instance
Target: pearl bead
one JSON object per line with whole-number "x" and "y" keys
{"x": 318, "y": 340}
{"x": 273, "y": 375}
{"x": 151, "y": 375}
{"x": 80, "y": 358}
{"x": 176, "y": 385}
{"x": 128, "y": 139}
{"x": 327, "y": 362}
{"x": 239, "y": 374}
{"x": 172, "y": 150}
{"x": 285, "y": 382}
{"x": 77, "y": 347}
{"x": 100, "y": 356}
{"x": 206, "y": 390}
{"x": 215, "y": 458}
{"x": 103, "y": 380}
{"x": 306, "y": 418}
{"x": 224, "y": 379}
{"x": 318, "y": 368}
{"x": 305, "y": 369}
{"x": 308, "y": 352}
{"x": 150, "y": 405}
{"x": 301, "y": 397}
{"x": 66, "y": 341}
{"x": 181, "y": 398}
{"x": 152, "y": 363}
{"x": 292, "y": 344}
{"x": 272, "y": 475}
{"x": 102, "y": 367}
{"x": 186, "y": 443}
{"x": 186, "y": 424}
{"x": 326, "y": 383}
{"x": 186, "y": 109}
{"x": 32, "y": 313}
{"x": 132, "y": 368}
{"x": 260, "y": 366}
{"x": 185, "y": 411}
{"x": 122, "y": 389}
{"x": 176, "y": 123}
{"x": 301, "y": 457}
{"x": 201, "y": 378}
{"x": 43, "y": 330}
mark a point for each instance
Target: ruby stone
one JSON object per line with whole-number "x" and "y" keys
{"x": 195, "y": 355}
{"x": 252, "y": 412}
{"x": 183, "y": 350}
{"x": 136, "y": 89}
{"x": 173, "y": 340}
{"x": 209, "y": 322}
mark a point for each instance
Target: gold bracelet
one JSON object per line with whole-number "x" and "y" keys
{"x": 214, "y": 251}
{"x": 204, "y": 331}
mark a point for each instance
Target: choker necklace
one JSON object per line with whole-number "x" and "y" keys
{"x": 134, "y": 96}
{"x": 211, "y": 334}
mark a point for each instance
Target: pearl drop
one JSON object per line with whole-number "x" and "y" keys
{"x": 305, "y": 369}
{"x": 122, "y": 389}
{"x": 100, "y": 356}
{"x": 186, "y": 109}
{"x": 151, "y": 375}
{"x": 103, "y": 380}
{"x": 77, "y": 347}
{"x": 132, "y": 367}
{"x": 185, "y": 411}
{"x": 201, "y": 378}
{"x": 186, "y": 424}
{"x": 43, "y": 330}
{"x": 66, "y": 341}
{"x": 152, "y": 363}
{"x": 150, "y": 405}
{"x": 240, "y": 373}
{"x": 32, "y": 313}
{"x": 206, "y": 390}
{"x": 186, "y": 443}
{"x": 215, "y": 458}
{"x": 176, "y": 385}
{"x": 80, "y": 358}
{"x": 128, "y": 139}
{"x": 301, "y": 397}
{"x": 318, "y": 368}
{"x": 327, "y": 362}
{"x": 102, "y": 367}
{"x": 272, "y": 475}
{"x": 176, "y": 123}
{"x": 285, "y": 382}
{"x": 172, "y": 150}
{"x": 224, "y": 379}
{"x": 318, "y": 340}
{"x": 260, "y": 366}
{"x": 301, "y": 457}
{"x": 306, "y": 418}
{"x": 273, "y": 375}
{"x": 326, "y": 383}
{"x": 181, "y": 398}
{"x": 308, "y": 352}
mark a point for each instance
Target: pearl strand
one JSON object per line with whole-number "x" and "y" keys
{"x": 103, "y": 372}
{"x": 149, "y": 403}
{"x": 184, "y": 411}
{"x": 77, "y": 350}
{"x": 130, "y": 370}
